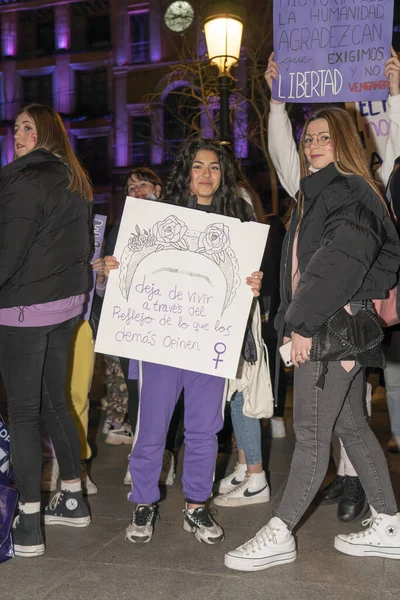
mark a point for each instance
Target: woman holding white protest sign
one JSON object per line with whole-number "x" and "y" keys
{"x": 45, "y": 247}
{"x": 341, "y": 252}
{"x": 203, "y": 179}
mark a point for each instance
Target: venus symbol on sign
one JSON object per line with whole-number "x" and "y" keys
{"x": 219, "y": 349}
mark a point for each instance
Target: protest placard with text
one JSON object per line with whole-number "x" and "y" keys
{"x": 332, "y": 50}
{"x": 179, "y": 297}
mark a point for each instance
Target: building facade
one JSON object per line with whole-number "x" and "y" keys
{"x": 94, "y": 62}
{"x": 105, "y": 65}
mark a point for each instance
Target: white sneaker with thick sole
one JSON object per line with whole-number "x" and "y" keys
{"x": 201, "y": 523}
{"x": 123, "y": 435}
{"x": 272, "y": 546}
{"x": 50, "y": 475}
{"x": 278, "y": 428}
{"x": 253, "y": 490}
{"x": 141, "y": 529}
{"x": 231, "y": 481}
{"x": 381, "y": 538}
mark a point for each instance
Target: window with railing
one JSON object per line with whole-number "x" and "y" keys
{"x": 91, "y": 92}
{"x": 141, "y": 140}
{"x": 36, "y": 33}
{"x": 140, "y": 37}
{"x": 37, "y": 89}
{"x": 95, "y": 157}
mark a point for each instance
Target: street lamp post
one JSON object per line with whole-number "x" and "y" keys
{"x": 223, "y": 28}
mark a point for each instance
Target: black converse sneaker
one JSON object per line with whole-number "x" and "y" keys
{"x": 141, "y": 529}
{"x": 67, "y": 508}
{"x": 27, "y": 534}
{"x": 200, "y": 522}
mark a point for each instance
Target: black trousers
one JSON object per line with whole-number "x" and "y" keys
{"x": 33, "y": 363}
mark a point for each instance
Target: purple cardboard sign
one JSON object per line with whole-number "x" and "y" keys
{"x": 332, "y": 50}
{"x": 99, "y": 227}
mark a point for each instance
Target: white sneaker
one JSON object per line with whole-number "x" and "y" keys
{"x": 167, "y": 475}
{"x": 141, "y": 529}
{"x": 88, "y": 486}
{"x": 253, "y": 490}
{"x": 231, "y": 481}
{"x": 273, "y": 545}
{"x": 201, "y": 523}
{"x": 50, "y": 475}
{"x": 381, "y": 538}
{"x": 278, "y": 429}
{"x": 123, "y": 435}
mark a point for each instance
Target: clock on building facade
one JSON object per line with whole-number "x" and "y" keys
{"x": 179, "y": 16}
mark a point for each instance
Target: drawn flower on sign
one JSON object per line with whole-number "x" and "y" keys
{"x": 139, "y": 240}
{"x": 170, "y": 233}
{"x": 214, "y": 241}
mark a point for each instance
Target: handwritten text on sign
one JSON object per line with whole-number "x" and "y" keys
{"x": 179, "y": 297}
{"x": 374, "y": 126}
{"x": 332, "y": 50}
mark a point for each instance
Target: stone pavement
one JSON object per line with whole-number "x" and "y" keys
{"x": 97, "y": 563}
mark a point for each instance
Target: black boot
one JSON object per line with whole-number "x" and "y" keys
{"x": 353, "y": 504}
{"x": 332, "y": 493}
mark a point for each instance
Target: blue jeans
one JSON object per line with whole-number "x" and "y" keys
{"x": 247, "y": 431}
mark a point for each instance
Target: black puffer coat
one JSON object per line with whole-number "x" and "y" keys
{"x": 348, "y": 249}
{"x": 44, "y": 232}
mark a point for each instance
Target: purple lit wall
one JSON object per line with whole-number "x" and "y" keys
{"x": 63, "y": 27}
{"x": 9, "y": 33}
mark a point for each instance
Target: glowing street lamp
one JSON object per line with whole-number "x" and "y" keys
{"x": 223, "y": 28}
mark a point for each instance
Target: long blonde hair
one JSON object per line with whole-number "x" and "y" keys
{"x": 349, "y": 156}
{"x": 52, "y": 136}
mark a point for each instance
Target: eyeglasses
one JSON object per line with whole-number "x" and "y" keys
{"x": 323, "y": 139}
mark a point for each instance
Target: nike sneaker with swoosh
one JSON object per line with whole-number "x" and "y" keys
{"x": 253, "y": 490}
{"x": 230, "y": 482}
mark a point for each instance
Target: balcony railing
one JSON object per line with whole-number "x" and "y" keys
{"x": 141, "y": 153}
{"x": 140, "y": 52}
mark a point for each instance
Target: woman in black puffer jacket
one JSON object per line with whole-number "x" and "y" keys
{"x": 44, "y": 257}
{"x": 342, "y": 249}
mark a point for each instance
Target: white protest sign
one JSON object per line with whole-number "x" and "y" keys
{"x": 180, "y": 296}
{"x": 373, "y": 125}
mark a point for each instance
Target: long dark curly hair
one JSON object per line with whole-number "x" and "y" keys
{"x": 226, "y": 199}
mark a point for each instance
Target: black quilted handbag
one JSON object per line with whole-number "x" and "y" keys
{"x": 350, "y": 337}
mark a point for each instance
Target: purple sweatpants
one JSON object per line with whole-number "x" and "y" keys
{"x": 160, "y": 391}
